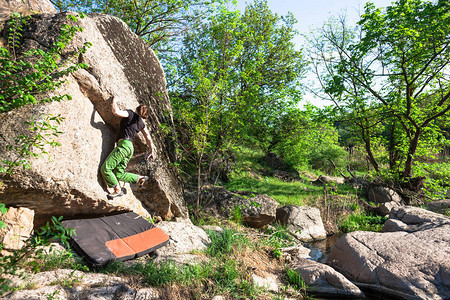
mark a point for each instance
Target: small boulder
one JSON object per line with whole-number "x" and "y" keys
{"x": 323, "y": 280}
{"x": 305, "y": 223}
{"x": 185, "y": 237}
{"x": 285, "y": 176}
{"x": 386, "y": 207}
{"x": 19, "y": 225}
{"x": 380, "y": 194}
{"x": 329, "y": 179}
{"x": 276, "y": 162}
{"x": 256, "y": 210}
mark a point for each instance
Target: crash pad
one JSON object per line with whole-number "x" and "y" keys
{"x": 115, "y": 238}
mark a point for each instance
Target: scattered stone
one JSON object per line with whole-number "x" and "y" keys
{"x": 380, "y": 194}
{"x": 19, "y": 226}
{"x": 269, "y": 282}
{"x": 305, "y": 223}
{"x": 294, "y": 253}
{"x": 324, "y": 281}
{"x": 211, "y": 228}
{"x": 69, "y": 284}
{"x": 410, "y": 259}
{"x": 182, "y": 259}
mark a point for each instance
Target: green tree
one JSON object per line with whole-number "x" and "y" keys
{"x": 236, "y": 74}
{"x": 307, "y": 139}
{"x": 158, "y": 22}
{"x": 390, "y": 76}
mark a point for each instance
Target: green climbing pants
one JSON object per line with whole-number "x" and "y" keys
{"x": 113, "y": 169}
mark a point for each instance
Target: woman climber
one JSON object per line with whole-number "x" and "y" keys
{"x": 113, "y": 169}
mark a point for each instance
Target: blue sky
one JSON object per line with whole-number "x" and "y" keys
{"x": 313, "y": 13}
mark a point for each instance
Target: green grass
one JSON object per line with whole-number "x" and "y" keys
{"x": 220, "y": 275}
{"x": 225, "y": 242}
{"x": 60, "y": 259}
{"x": 301, "y": 192}
{"x": 362, "y": 222}
{"x": 285, "y": 193}
{"x": 278, "y": 237}
{"x": 297, "y": 282}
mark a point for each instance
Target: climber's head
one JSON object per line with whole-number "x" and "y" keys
{"x": 142, "y": 111}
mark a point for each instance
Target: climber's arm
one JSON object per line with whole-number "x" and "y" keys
{"x": 148, "y": 139}
{"x": 116, "y": 111}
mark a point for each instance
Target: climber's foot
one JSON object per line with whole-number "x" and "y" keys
{"x": 115, "y": 194}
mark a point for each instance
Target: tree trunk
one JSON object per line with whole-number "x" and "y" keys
{"x": 393, "y": 153}
{"x": 407, "y": 173}
{"x": 370, "y": 156}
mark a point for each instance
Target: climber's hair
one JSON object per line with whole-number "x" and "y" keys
{"x": 142, "y": 111}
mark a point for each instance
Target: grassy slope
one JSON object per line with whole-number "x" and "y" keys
{"x": 334, "y": 202}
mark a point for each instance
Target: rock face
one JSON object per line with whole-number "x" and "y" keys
{"x": 69, "y": 184}
{"x": 324, "y": 281}
{"x": 304, "y": 222}
{"x": 25, "y": 7}
{"x": 410, "y": 260}
{"x": 256, "y": 210}
{"x": 18, "y": 227}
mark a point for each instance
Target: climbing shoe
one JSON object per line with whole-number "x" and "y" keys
{"x": 115, "y": 194}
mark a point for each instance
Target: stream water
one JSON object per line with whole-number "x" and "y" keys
{"x": 324, "y": 246}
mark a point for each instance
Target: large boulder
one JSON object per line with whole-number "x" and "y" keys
{"x": 69, "y": 183}
{"x": 303, "y": 222}
{"x": 410, "y": 261}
